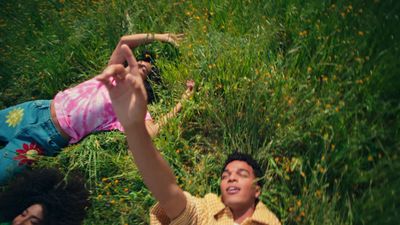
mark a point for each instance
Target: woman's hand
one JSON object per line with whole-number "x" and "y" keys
{"x": 173, "y": 39}
{"x": 189, "y": 89}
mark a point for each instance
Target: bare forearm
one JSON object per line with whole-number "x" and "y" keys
{"x": 133, "y": 41}
{"x": 155, "y": 171}
{"x": 177, "y": 108}
{"x": 164, "y": 119}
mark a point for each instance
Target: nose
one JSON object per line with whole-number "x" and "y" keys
{"x": 232, "y": 178}
{"x": 19, "y": 220}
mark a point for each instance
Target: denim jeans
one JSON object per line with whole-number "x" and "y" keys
{"x": 27, "y": 131}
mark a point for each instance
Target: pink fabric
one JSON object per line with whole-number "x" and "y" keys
{"x": 86, "y": 108}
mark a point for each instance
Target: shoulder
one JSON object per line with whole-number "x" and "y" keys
{"x": 265, "y": 216}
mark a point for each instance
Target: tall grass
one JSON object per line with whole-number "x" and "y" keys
{"x": 309, "y": 88}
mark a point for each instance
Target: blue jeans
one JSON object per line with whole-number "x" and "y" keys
{"x": 26, "y": 131}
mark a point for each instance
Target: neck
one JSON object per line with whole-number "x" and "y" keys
{"x": 240, "y": 214}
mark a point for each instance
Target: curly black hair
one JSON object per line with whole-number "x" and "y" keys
{"x": 64, "y": 200}
{"x": 249, "y": 160}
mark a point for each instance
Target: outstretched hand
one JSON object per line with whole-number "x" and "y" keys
{"x": 189, "y": 89}
{"x": 174, "y": 39}
{"x": 126, "y": 89}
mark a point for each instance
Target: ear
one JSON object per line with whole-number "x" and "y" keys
{"x": 258, "y": 191}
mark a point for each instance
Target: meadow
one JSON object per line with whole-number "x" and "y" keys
{"x": 310, "y": 88}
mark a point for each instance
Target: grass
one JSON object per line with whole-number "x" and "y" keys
{"x": 310, "y": 88}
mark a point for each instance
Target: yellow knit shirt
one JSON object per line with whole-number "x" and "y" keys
{"x": 210, "y": 210}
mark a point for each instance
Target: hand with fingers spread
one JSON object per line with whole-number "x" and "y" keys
{"x": 174, "y": 39}
{"x": 126, "y": 89}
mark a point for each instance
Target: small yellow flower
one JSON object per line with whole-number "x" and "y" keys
{"x": 309, "y": 69}
{"x": 318, "y": 193}
{"x": 359, "y": 81}
{"x": 14, "y": 117}
{"x": 303, "y": 33}
{"x": 360, "y": 33}
{"x": 370, "y": 158}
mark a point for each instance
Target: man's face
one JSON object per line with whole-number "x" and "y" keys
{"x": 238, "y": 185}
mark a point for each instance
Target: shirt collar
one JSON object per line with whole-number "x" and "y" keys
{"x": 261, "y": 214}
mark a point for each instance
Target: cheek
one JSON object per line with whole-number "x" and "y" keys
{"x": 221, "y": 187}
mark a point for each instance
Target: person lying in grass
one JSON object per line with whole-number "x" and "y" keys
{"x": 240, "y": 180}
{"x": 44, "y": 196}
{"x": 44, "y": 127}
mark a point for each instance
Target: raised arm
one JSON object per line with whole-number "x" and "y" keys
{"x": 129, "y": 102}
{"x": 135, "y": 40}
{"x": 154, "y": 127}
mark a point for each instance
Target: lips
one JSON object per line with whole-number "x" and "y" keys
{"x": 232, "y": 190}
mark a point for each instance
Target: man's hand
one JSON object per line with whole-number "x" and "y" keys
{"x": 126, "y": 89}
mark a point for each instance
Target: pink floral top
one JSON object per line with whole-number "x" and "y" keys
{"x": 86, "y": 108}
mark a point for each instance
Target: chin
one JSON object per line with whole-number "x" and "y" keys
{"x": 231, "y": 201}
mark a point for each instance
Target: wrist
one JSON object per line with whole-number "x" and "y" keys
{"x": 150, "y": 37}
{"x": 135, "y": 127}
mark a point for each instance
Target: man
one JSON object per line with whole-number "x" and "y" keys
{"x": 240, "y": 191}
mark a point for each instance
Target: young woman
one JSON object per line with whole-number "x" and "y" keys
{"x": 44, "y": 196}
{"x": 44, "y": 127}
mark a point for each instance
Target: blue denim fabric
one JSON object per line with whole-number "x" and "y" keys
{"x": 30, "y": 126}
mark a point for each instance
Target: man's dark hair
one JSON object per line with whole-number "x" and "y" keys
{"x": 64, "y": 201}
{"x": 249, "y": 160}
